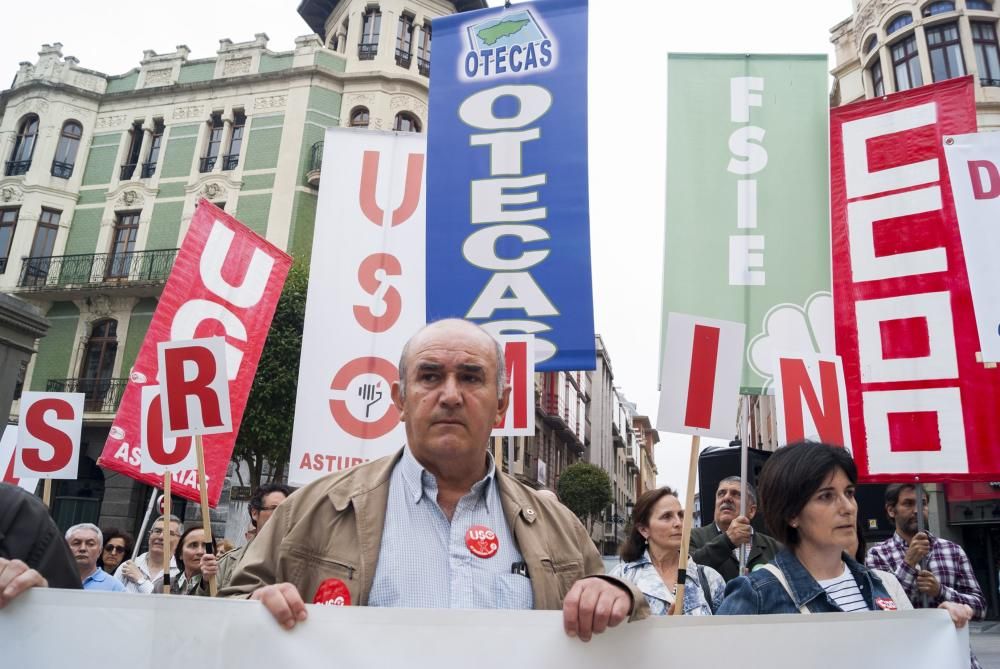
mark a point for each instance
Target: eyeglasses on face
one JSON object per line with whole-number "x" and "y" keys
{"x": 157, "y": 531}
{"x": 269, "y": 508}
{"x": 111, "y": 548}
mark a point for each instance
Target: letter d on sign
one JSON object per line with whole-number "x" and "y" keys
{"x": 48, "y": 438}
{"x": 194, "y": 387}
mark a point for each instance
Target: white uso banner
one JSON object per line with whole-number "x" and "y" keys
{"x": 974, "y": 169}
{"x": 151, "y": 631}
{"x": 366, "y": 298}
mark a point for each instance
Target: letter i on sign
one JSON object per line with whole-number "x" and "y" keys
{"x": 700, "y": 380}
{"x": 48, "y": 437}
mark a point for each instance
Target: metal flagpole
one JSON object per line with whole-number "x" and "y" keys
{"x": 743, "y": 484}
{"x": 145, "y": 523}
{"x": 919, "y": 492}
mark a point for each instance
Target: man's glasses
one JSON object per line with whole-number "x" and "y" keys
{"x": 157, "y": 531}
{"x": 111, "y": 548}
{"x": 269, "y": 508}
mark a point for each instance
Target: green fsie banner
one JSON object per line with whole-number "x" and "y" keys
{"x": 747, "y": 230}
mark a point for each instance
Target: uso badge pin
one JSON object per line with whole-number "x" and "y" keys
{"x": 332, "y": 592}
{"x": 482, "y": 541}
{"x": 885, "y": 603}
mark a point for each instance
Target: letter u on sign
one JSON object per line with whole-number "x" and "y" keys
{"x": 700, "y": 380}
{"x": 194, "y": 389}
{"x": 48, "y": 438}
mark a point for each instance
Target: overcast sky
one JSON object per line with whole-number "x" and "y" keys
{"x": 628, "y": 41}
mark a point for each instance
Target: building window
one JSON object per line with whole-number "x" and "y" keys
{"x": 938, "y": 8}
{"x": 985, "y": 5}
{"x": 36, "y": 267}
{"x": 214, "y": 143}
{"x": 69, "y": 144}
{"x": 404, "y": 40}
{"x": 870, "y": 44}
{"x": 370, "y": 26}
{"x": 8, "y": 221}
{"x": 424, "y": 51}
{"x": 232, "y": 158}
{"x": 878, "y": 86}
{"x": 359, "y": 117}
{"x": 406, "y": 122}
{"x": 123, "y": 245}
{"x": 906, "y": 64}
{"x": 945, "y": 51}
{"x": 134, "y": 147}
{"x": 98, "y": 365}
{"x": 984, "y": 41}
{"x": 24, "y": 147}
{"x": 898, "y": 23}
{"x": 155, "y": 144}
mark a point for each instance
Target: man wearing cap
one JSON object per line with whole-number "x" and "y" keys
{"x": 436, "y": 525}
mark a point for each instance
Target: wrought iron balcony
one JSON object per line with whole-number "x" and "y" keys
{"x": 148, "y": 170}
{"x": 47, "y": 273}
{"x": 403, "y": 58}
{"x": 207, "y": 164}
{"x": 16, "y": 168}
{"x": 424, "y": 66}
{"x": 99, "y": 395}
{"x": 128, "y": 169}
{"x": 3, "y": 265}
{"x": 315, "y": 164}
{"x": 989, "y": 82}
{"x": 62, "y": 170}
{"x": 367, "y": 50}
{"x": 230, "y": 162}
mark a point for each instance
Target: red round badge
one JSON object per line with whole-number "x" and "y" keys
{"x": 885, "y": 603}
{"x": 482, "y": 541}
{"x": 332, "y": 592}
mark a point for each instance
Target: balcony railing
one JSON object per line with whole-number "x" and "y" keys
{"x": 62, "y": 170}
{"x": 315, "y": 164}
{"x": 99, "y": 395}
{"x": 16, "y": 168}
{"x": 148, "y": 170}
{"x": 403, "y": 57}
{"x": 367, "y": 50}
{"x": 128, "y": 169}
{"x": 424, "y": 66}
{"x": 3, "y": 265}
{"x": 93, "y": 269}
{"x": 989, "y": 82}
{"x": 230, "y": 162}
{"x": 207, "y": 164}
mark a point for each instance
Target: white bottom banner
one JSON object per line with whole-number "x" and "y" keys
{"x": 52, "y": 628}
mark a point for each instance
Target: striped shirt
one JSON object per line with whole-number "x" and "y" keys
{"x": 424, "y": 561}
{"x": 844, "y": 592}
{"x": 150, "y": 572}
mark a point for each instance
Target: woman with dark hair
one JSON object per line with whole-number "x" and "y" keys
{"x": 651, "y": 556}
{"x": 196, "y": 564}
{"x": 117, "y": 545}
{"x": 807, "y": 493}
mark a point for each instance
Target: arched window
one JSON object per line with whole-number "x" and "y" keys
{"x": 69, "y": 144}
{"x": 870, "y": 44}
{"x": 98, "y": 363}
{"x": 986, "y": 5}
{"x": 407, "y": 122}
{"x": 24, "y": 146}
{"x": 898, "y": 23}
{"x": 359, "y": 117}
{"x": 938, "y": 8}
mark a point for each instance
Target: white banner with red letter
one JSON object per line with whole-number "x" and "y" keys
{"x": 974, "y": 169}
{"x": 811, "y": 399}
{"x": 46, "y": 623}
{"x": 519, "y": 353}
{"x": 48, "y": 436}
{"x": 366, "y": 298}
{"x": 700, "y": 381}
{"x": 8, "y": 449}
{"x": 225, "y": 282}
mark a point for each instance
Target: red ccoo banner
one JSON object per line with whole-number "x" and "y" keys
{"x": 225, "y": 282}
{"x": 920, "y": 404}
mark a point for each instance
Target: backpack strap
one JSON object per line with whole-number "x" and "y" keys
{"x": 707, "y": 589}
{"x": 778, "y": 574}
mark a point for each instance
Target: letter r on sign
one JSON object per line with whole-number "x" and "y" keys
{"x": 195, "y": 390}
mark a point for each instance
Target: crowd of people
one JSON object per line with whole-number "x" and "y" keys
{"x": 438, "y": 525}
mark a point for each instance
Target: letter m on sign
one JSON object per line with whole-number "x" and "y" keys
{"x": 519, "y": 421}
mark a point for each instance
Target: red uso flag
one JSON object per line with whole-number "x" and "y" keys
{"x": 700, "y": 382}
{"x": 226, "y": 282}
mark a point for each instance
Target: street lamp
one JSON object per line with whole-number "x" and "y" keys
{"x": 629, "y": 506}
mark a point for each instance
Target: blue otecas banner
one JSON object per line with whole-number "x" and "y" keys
{"x": 508, "y": 225}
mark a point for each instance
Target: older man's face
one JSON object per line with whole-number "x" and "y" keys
{"x": 451, "y": 401}
{"x": 85, "y": 547}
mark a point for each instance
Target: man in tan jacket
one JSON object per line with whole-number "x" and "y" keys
{"x": 423, "y": 527}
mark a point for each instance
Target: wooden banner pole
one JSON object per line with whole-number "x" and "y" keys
{"x": 166, "y": 533}
{"x": 918, "y": 490}
{"x": 206, "y": 516}
{"x": 744, "y": 548}
{"x": 47, "y": 494}
{"x": 686, "y": 531}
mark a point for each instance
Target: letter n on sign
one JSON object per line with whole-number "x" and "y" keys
{"x": 812, "y": 400}
{"x": 700, "y": 380}
{"x": 194, "y": 387}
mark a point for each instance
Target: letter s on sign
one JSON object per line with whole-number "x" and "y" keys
{"x": 372, "y": 275}
{"x": 61, "y": 443}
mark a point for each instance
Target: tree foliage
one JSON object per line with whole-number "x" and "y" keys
{"x": 585, "y": 489}
{"x": 266, "y": 432}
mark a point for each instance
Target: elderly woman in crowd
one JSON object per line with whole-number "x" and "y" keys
{"x": 651, "y": 556}
{"x": 807, "y": 492}
{"x": 117, "y": 544}
{"x": 196, "y": 563}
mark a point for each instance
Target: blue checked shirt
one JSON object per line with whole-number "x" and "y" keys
{"x": 424, "y": 561}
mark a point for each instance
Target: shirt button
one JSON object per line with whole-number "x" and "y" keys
{"x": 529, "y": 512}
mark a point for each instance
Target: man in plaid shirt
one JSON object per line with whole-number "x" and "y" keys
{"x": 924, "y": 564}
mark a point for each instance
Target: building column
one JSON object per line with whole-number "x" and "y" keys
{"x": 147, "y": 139}
{"x": 385, "y": 59}
{"x": 924, "y": 56}
{"x": 353, "y": 37}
